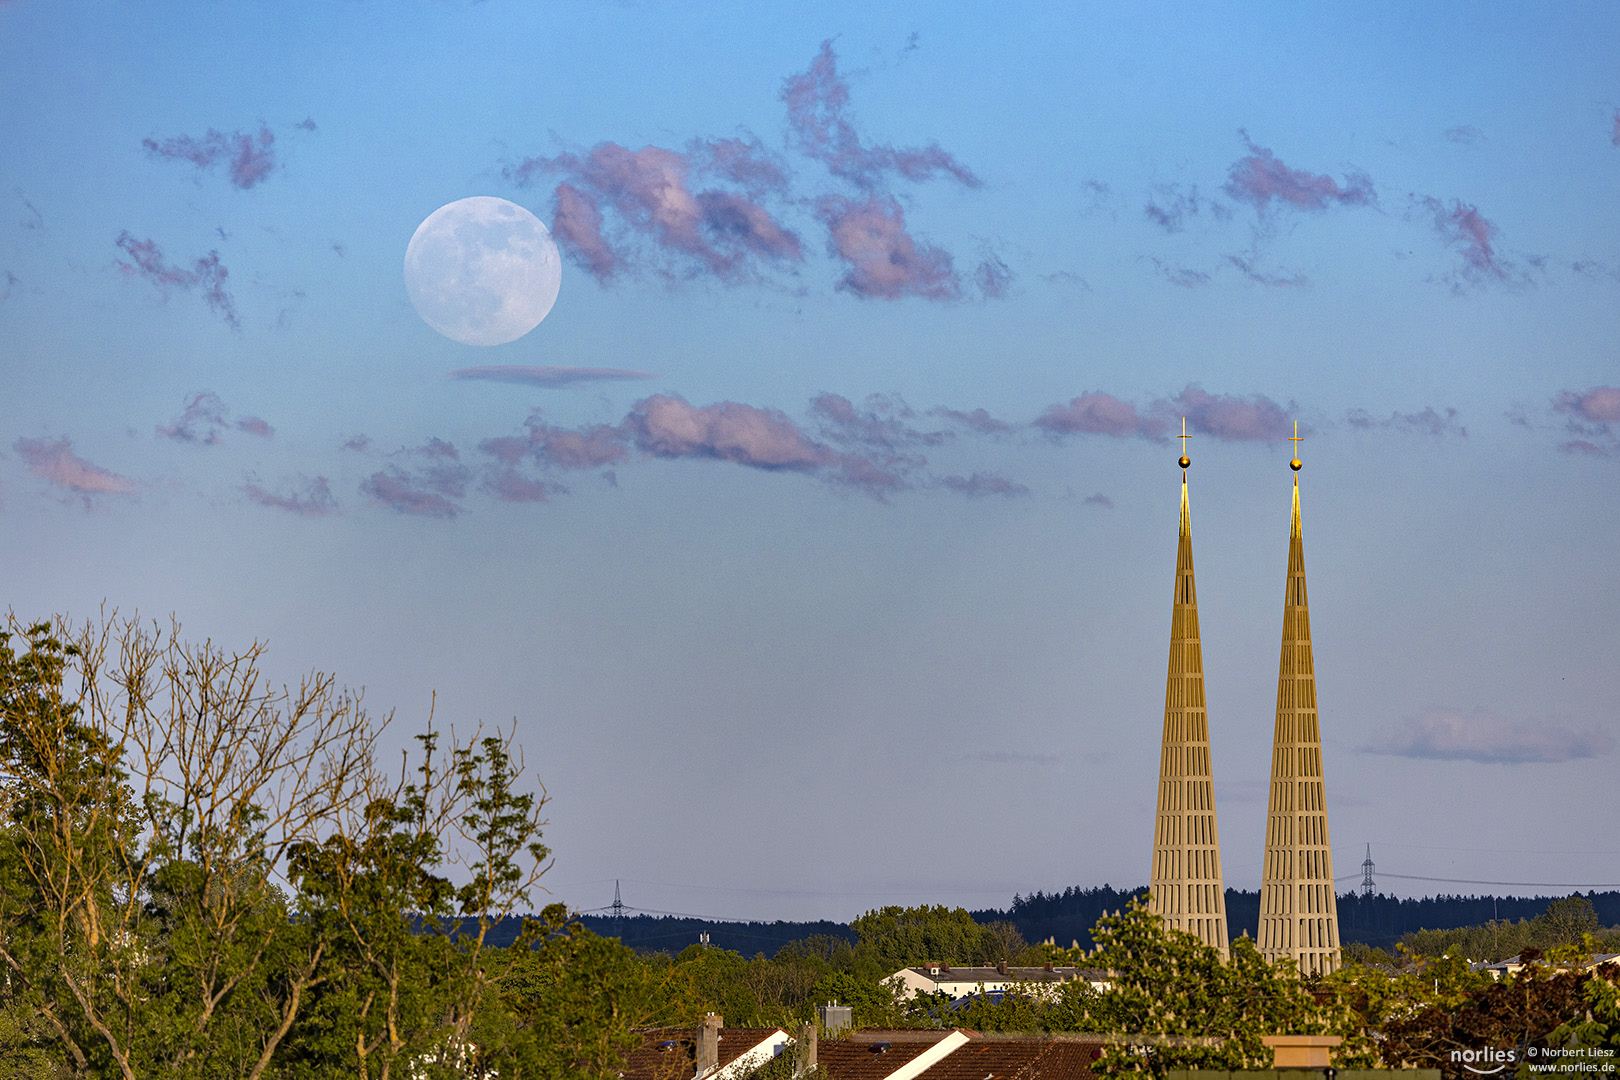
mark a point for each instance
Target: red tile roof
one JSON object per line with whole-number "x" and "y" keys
{"x": 1033, "y": 1057}
{"x": 679, "y": 1062}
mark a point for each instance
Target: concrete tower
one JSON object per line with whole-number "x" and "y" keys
{"x": 1298, "y": 910}
{"x": 1186, "y": 888}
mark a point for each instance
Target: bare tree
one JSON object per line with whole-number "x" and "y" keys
{"x": 194, "y": 857}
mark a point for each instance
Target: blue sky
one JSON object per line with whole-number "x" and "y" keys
{"x": 787, "y": 624}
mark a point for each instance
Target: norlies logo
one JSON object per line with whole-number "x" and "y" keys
{"x": 1487, "y": 1061}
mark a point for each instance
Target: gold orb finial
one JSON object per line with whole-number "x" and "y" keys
{"x": 1185, "y": 461}
{"x": 1296, "y": 464}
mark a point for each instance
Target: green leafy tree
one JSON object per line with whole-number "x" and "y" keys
{"x": 892, "y": 938}
{"x": 1190, "y": 1009}
{"x": 1599, "y": 1025}
{"x": 204, "y": 875}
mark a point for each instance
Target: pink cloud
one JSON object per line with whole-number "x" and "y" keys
{"x": 885, "y": 261}
{"x": 817, "y": 102}
{"x": 1097, "y": 413}
{"x": 509, "y": 485}
{"x": 206, "y": 273}
{"x": 1099, "y": 499}
{"x": 249, "y": 157}
{"x": 398, "y": 492}
{"x": 582, "y": 448}
{"x": 1584, "y": 447}
{"x": 744, "y": 162}
{"x": 680, "y": 231}
{"x": 1599, "y": 405}
{"x": 56, "y": 463}
{"x": 547, "y": 376}
{"x": 1227, "y": 417}
{"x": 426, "y": 481}
{"x": 1259, "y": 178}
{"x": 254, "y": 426}
{"x": 309, "y": 498}
{"x": 1461, "y": 226}
{"x": 981, "y": 484}
{"x": 576, "y": 222}
{"x": 667, "y": 426}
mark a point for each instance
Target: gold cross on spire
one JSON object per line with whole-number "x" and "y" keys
{"x": 1295, "y": 439}
{"x": 1185, "y": 460}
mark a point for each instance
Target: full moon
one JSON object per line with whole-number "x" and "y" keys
{"x": 482, "y": 271}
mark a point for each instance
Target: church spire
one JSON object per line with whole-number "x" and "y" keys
{"x": 1298, "y": 909}
{"x": 1186, "y": 889}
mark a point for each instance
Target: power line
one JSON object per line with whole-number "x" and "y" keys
{"x": 1518, "y": 884}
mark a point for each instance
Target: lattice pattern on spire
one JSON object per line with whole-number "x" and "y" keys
{"x": 1298, "y": 909}
{"x": 1186, "y": 888}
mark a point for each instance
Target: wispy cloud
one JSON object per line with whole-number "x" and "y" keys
{"x": 1249, "y": 267}
{"x": 1482, "y": 736}
{"x": 820, "y": 127}
{"x": 1169, "y": 206}
{"x": 719, "y": 208}
{"x": 426, "y": 481}
{"x": 249, "y": 157}
{"x": 982, "y": 484}
{"x": 882, "y": 422}
{"x": 1260, "y": 179}
{"x": 1465, "y": 135}
{"x": 55, "y": 462}
{"x": 547, "y": 376}
{"x": 1185, "y": 277}
{"x": 204, "y": 417}
{"x": 1592, "y": 416}
{"x": 1098, "y": 413}
{"x": 1430, "y": 421}
{"x": 208, "y": 274}
{"x": 1227, "y": 417}
{"x": 976, "y": 420}
{"x": 662, "y": 223}
{"x": 1473, "y": 236}
{"x": 1099, "y": 499}
{"x": 307, "y": 497}
{"x": 1614, "y": 131}
{"x": 875, "y": 446}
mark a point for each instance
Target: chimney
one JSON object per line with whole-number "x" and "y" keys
{"x": 832, "y": 1019}
{"x": 708, "y": 1043}
{"x": 1001, "y": 968}
{"x": 807, "y": 1050}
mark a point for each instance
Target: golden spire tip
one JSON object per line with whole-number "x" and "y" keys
{"x": 1296, "y": 464}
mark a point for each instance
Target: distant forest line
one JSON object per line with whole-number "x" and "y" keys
{"x": 1068, "y": 916}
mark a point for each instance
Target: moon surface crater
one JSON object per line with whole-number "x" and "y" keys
{"x": 482, "y": 271}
